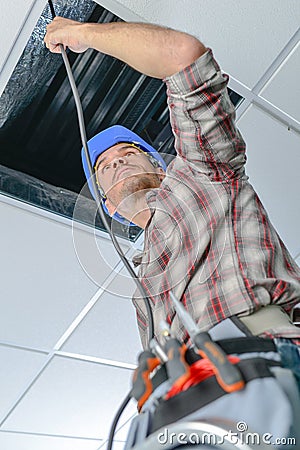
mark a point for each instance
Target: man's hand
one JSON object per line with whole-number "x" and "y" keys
{"x": 67, "y": 32}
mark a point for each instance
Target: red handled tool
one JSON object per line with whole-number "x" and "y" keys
{"x": 177, "y": 368}
{"x": 142, "y": 386}
{"x": 227, "y": 374}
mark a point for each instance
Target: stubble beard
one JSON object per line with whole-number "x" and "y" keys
{"x": 134, "y": 188}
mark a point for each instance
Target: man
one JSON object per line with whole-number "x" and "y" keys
{"x": 207, "y": 235}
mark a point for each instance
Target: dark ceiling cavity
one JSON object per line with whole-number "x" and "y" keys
{"x": 39, "y": 139}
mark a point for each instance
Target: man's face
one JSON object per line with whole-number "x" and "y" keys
{"x": 124, "y": 170}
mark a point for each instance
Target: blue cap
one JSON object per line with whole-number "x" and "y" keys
{"x": 108, "y": 138}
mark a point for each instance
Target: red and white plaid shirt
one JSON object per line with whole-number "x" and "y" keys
{"x": 209, "y": 239}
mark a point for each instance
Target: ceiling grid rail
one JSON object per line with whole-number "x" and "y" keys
{"x": 254, "y": 96}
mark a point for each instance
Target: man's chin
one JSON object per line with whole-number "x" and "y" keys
{"x": 134, "y": 184}
{"x": 127, "y": 194}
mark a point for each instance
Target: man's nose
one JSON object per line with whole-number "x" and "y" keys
{"x": 119, "y": 161}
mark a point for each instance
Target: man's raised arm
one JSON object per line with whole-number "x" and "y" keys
{"x": 152, "y": 50}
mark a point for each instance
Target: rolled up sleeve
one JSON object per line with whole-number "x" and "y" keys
{"x": 203, "y": 120}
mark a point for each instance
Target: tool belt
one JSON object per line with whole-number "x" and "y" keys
{"x": 270, "y": 317}
{"x": 269, "y": 402}
{"x": 199, "y": 396}
{"x": 241, "y": 345}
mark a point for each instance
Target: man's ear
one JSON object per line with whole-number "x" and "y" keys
{"x": 110, "y": 207}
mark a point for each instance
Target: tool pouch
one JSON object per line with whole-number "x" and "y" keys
{"x": 266, "y": 411}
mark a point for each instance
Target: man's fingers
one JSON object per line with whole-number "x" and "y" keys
{"x": 55, "y": 48}
{"x": 51, "y": 42}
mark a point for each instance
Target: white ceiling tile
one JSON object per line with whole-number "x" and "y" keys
{"x": 109, "y": 330}
{"x": 18, "y": 367}
{"x": 284, "y": 88}
{"x": 74, "y": 399}
{"x": 96, "y": 256}
{"x": 117, "y": 445}
{"x": 43, "y": 286}
{"x": 122, "y": 432}
{"x": 245, "y": 36}
{"x": 19, "y": 441}
{"x": 273, "y": 167}
{"x": 123, "y": 285}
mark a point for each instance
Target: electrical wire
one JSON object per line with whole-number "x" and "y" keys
{"x": 52, "y": 8}
{"x": 116, "y": 420}
{"x": 95, "y": 187}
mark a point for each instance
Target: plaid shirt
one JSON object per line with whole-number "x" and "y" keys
{"x": 209, "y": 239}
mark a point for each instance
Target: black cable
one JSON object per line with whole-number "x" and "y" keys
{"x": 52, "y": 9}
{"x": 116, "y": 420}
{"x": 95, "y": 187}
